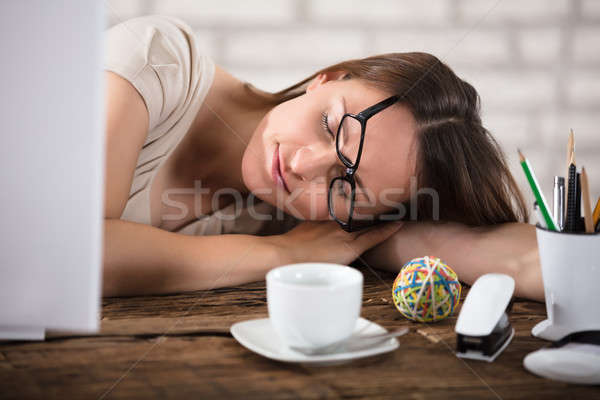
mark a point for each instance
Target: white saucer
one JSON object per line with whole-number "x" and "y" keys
{"x": 259, "y": 336}
{"x": 573, "y": 362}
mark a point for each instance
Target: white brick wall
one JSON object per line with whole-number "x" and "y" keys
{"x": 586, "y": 45}
{"x": 450, "y": 45}
{"x": 514, "y": 11}
{"x": 292, "y": 47}
{"x": 583, "y": 88}
{"x": 378, "y": 11}
{"x": 539, "y": 46}
{"x": 535, "y": 63}
{"x": 119, "y": 10}
{"x": 590, "y": 9}
{"x": 229, "y": 12}
{"x": 512, "y": 90}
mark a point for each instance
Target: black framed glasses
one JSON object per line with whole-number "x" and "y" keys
{"x": 349, "y": 140}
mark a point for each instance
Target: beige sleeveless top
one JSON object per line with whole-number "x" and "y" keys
{"x": 160, "y": 56}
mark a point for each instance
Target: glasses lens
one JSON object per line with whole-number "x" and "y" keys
{"x": 349, "y": 138}
{"x": 340, "y": 194}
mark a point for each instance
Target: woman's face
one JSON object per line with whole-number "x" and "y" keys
{"x": 293, "y": 132}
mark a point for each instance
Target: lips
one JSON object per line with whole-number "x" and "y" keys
{"x": 276, "y": 171}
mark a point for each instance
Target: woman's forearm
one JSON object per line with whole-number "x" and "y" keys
{"x": 141, "y": 259}
{"x": 509, "y": 248}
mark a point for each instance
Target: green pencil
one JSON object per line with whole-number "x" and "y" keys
{"x": 539, "y": 195}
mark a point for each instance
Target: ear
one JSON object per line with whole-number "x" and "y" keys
{"x": 325, "y": 77}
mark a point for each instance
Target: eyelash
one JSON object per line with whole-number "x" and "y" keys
{"x": 325, "y": 124}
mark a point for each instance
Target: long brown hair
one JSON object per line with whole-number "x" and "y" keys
{"x": 456, "y": 155}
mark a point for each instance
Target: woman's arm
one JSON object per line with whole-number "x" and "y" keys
{"x": 142, "y": 259}
{"x": 509, "y": 248}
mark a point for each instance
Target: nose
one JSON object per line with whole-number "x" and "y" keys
{"x": 310, "y": 162}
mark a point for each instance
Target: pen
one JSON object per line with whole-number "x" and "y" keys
{"x": 559, "y": 202}
{"x": 539, "y": 195}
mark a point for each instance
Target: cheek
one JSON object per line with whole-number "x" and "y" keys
{"x": 255, "y": 160}
{"x": 310, "y": 203}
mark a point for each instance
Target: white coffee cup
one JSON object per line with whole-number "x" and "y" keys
{"x": 314, "y": 304}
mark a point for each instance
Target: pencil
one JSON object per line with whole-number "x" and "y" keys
{"x": 570, "y": 149}
{"x": 587, "y": 206}
{"x": 596, "y": 214}
{"x": 538, "y": 214}
{"x": 539, "y": 195}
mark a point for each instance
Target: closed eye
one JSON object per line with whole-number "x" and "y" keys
{"x": 325, "y": 123}
{"x": 359, "y": 193}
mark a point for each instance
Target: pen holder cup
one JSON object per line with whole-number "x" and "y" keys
{"x": 571, "y": 275}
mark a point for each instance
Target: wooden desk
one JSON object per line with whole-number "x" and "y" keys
{"x": 179, "y": 347}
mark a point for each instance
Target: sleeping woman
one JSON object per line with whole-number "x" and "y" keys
{"x": 211, "y": 182}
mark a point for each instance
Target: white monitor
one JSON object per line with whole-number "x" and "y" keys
{"x": 51, "y": 166}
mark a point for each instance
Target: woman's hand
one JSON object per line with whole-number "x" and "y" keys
{"x": 325, "y": 241}
{"x": 509, "y": 248}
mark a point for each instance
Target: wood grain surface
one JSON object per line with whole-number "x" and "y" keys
{"x": 179, "y": 347}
